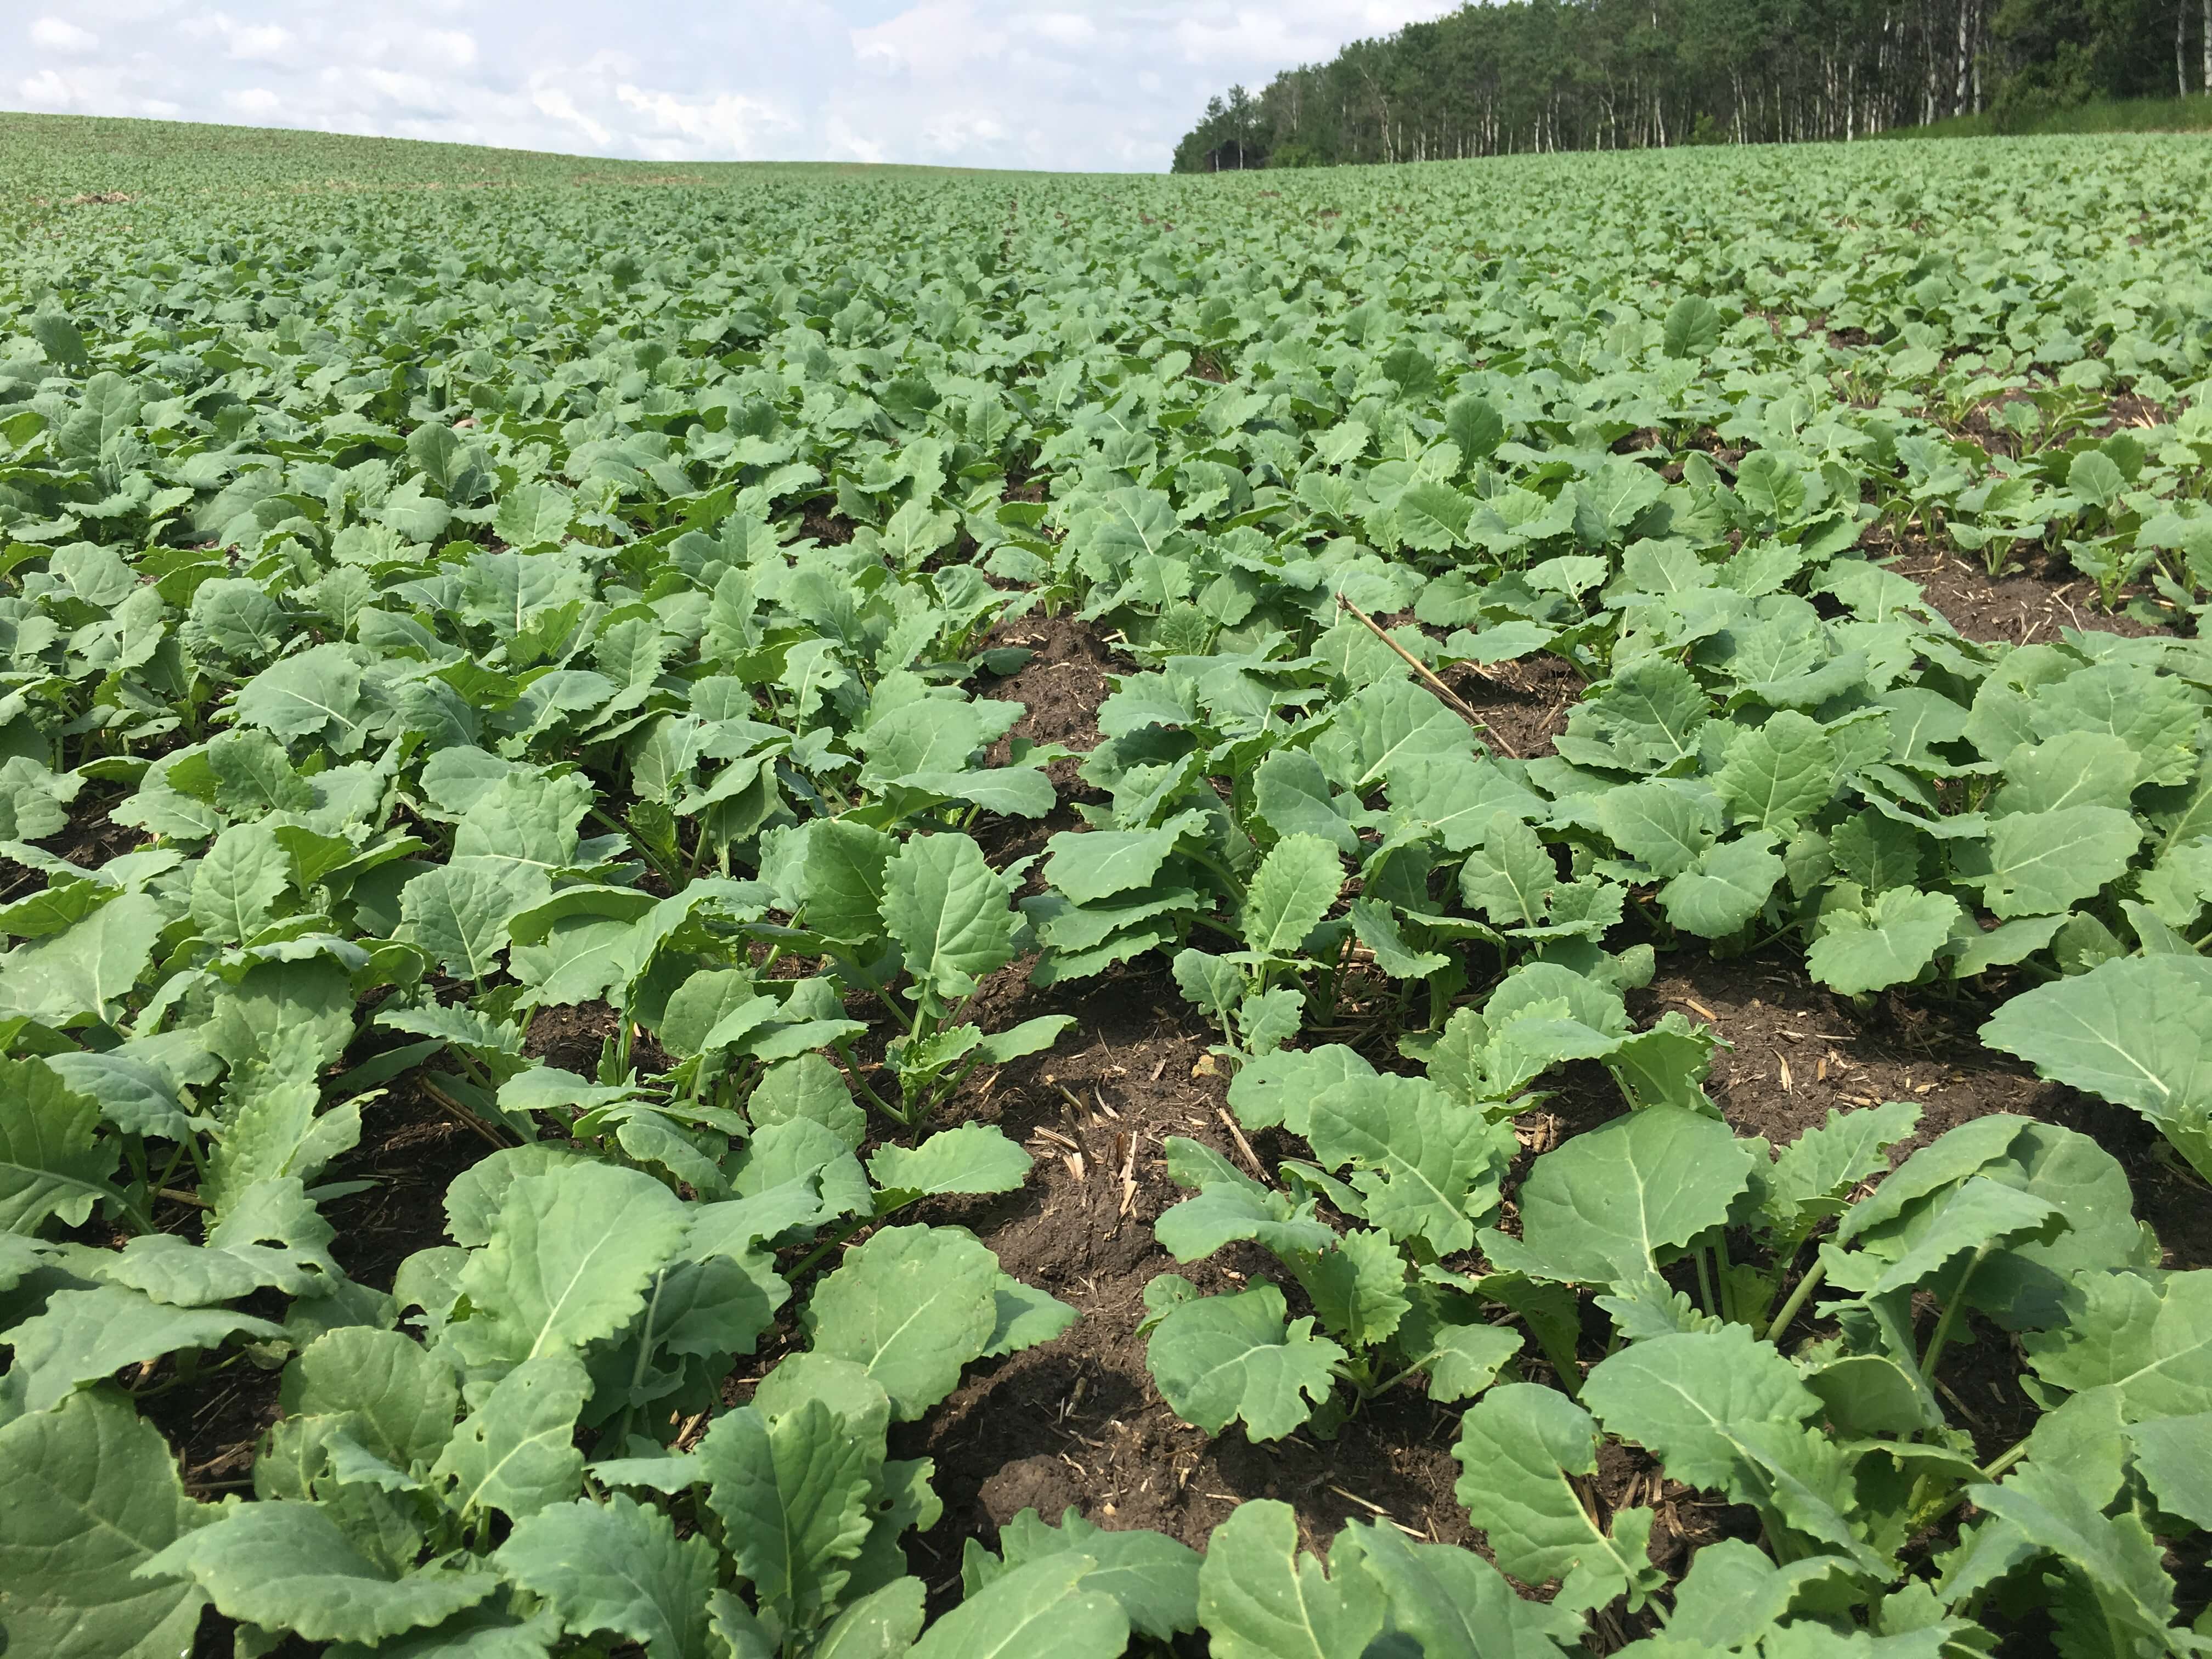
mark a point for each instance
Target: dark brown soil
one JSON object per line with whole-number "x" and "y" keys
{"x": 1526, "y": 701}
{"x": 2030, "y": 604}
{"x": 1061, "y": 686}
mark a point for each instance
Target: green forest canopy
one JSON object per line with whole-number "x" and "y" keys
{"x": 1549, "y": 74}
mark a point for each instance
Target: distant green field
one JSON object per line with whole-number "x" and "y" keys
{"x": 60, "y": 156}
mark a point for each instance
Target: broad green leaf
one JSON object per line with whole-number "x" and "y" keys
{"x": 2138, "y": 1032}
{"x": 948, "y": 911}
{"x": 1293, "y": 889}
{"x": 1616, "y": 1201}
{"x": 571, "y": 1254}
{"x": 2174, "y": 1456}
{"x": 1220, "y": 1358}
{"x": 82, "y": 1336}
{"x": 974, "y": 1158}
{"x": 396, "y": 1399}
{"x": 1518, "y": 1447}
{"x": 1887, "y": 944}
{"x": 1154, "y": 1578}
{"x": 1780, "y": 774}
{"x": 617, "y": 1566}
{"x": 1454, "y": 1603}
{"x": 794, "y": 1494}
{"x": 288, "y": 1566}
{"x": 1099, "y": 863}
{"x": 1042, "y": 1607}
{"x": 52, "y": 1159}
{"x": 911, "y": 1306}
{"x": 1510, "y": 875}
{"x": 516, "y": 1452}
{"x": 1659, "y": 826}
{"x": 60, "y": 980}
{"x": 2148, "y": 1342}
{"x": 1258, "y": 1599}
{"x": 2041, "y": 862}
{"x": 2115, "y": 1556}
{"x": 1729, "y": 886}
{"x": 92, "y": 1493}
{"x": 1427, "y": 1168}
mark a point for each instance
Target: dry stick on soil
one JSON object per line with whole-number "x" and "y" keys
{"x": 1450, "y": 696}
{"x": 1242, "y": 1144}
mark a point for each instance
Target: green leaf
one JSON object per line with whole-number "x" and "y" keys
{"x": 1610, "y": 1203}
{"x": 288, "y": 1567}
{"x": 1220, "y": 1358}
{"x": 2174, "y": 1456}
{"x": 1426, "y": 1167}
{"x": 617, "y": 1566}
{"x": 1258, "y": 1600}
{"x": 1454, "y": 1603}
{"x": 950, "y": 913}
{"x": 1432, "y": 516}
{"x": 1889, "y": 943}
{"x": 1729, "y": 885}
{"x": 1724, "y": 1411}
{"x": 2115, "y": 1556}
{"x": 571, "y": 1254}
{"x": 911, "y": 1307}
{"x": 85, "y": 1335}
{"x": 1154, "y": 1578}
{"x": 235, "y": 888}
{"x": 974, "y": 1158}
{"x": 1292, "y": 889}
{"x": 1097, "y": 864}
{"x": 1662, "y": 827}
{"x": 2150, "y": 1343}
{"x": 1692, "y": 328}
{"x": 1042, "y": 1607}
{"x": 516, "y": 1452}
{"x": 1518, "y": 1446}
{"x": 2137, "y": 1031}
{"x": 52, "y": 1160}
{"x": 59, "y": 980}
{"x": 1780, "y": 774}
{"x": 1510, "y": 875}
{"x": 2041, "y": 862}
{"x": 844, "y": 888}
{"x": 794, "y": 1494}
{"x": 92, "y": 1494}
{"x": 394, "y": 1398}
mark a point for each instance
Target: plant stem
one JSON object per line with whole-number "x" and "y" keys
{"x": 1950, "y": 1314}
{"x": 1790, "y": 1309}
{"x": 1705, "y": 1280}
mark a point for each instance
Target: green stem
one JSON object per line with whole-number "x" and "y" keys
{"x": 844, "y": 1052}
{"x": 1950, "y": 1315}
{"x": 1705, "y": 1299}
{"x": 1790, "y": 1309}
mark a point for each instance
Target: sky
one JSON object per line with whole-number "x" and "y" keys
{"x": 1077, "y": 85}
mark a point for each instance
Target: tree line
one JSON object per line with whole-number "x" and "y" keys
{"x": 1547, "y": 75}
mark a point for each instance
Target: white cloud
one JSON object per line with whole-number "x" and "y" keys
{"x": 52, "y": 34}
{"x": 728, "y": 127}
{"x": 46, "y": 90}
{"x": 1061, "y": 84}
{"x": 553, "y": 101}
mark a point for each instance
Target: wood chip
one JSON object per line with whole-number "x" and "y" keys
{"x": 1699, "y": 1009}
{"x": 1242, "y": 1144}
{"x": 1787, "y": 1082}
